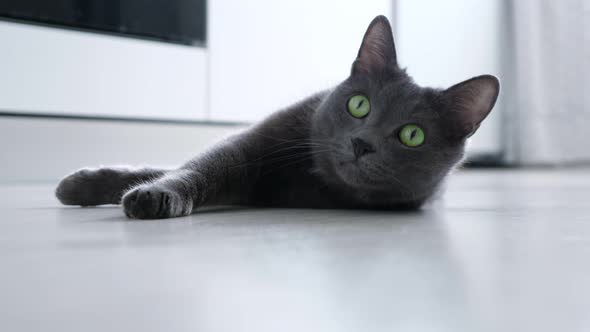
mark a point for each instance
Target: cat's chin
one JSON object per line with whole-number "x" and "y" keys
{"x": 344, "y": 170}
{"x": 352, "y": 175}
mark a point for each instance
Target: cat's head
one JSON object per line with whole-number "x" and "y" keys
{"x": 393, "y": 136}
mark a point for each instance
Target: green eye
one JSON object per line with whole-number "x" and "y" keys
{"x": 411, "y": 135}
{"x": 359, "y": 106}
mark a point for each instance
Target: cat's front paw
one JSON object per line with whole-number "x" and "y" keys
{"x": 88, "y": 187}
{"x": 155, "y": 202}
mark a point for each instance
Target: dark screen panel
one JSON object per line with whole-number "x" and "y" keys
{"x": 177, "y": 21}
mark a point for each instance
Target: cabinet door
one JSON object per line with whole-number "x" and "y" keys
{"x": 267, "y": 54}
{"x": 444, "y": 42}
{"x": 65, "y": 72}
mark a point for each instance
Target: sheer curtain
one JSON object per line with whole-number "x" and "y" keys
{"x": 547, "y": 82}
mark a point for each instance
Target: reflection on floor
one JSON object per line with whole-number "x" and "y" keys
{"x": 504, "y": 251}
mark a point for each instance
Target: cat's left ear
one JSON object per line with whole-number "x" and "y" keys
{"x": 470, "y": 103}
{"x": 377, "y": 52}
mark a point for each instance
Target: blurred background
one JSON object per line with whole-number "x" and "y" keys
{"x": 89, "y": 82}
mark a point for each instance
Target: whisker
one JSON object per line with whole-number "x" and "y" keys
{"x": 311, "y": 155}
{"x": 297, "y": 144}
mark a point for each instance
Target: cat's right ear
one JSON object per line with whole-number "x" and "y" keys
{"x": 470, "y": 103}
{"x": 377, "y": 52}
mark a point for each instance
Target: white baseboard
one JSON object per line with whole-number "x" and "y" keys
{"x": 45, "y": 149}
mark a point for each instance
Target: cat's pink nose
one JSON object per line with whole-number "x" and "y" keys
{"x": 361, "y": 147}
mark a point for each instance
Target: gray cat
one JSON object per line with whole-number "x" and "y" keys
{"x": 375, "y": 141}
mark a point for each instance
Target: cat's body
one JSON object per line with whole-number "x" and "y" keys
{"x": 317, "y": 153}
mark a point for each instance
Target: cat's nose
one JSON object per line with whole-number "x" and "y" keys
{"x": 361, "y": 147}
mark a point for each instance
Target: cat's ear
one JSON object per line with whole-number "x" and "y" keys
{"x": 470, "y": 102}
{"x": 377, "y": 51}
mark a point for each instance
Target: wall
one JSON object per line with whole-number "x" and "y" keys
{"x": 549, "y": 104}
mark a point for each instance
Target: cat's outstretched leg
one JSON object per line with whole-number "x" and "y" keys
{"x": 228, "y": 173}
{"x": 105, "y": 185}
{"x": 222, "y": 176}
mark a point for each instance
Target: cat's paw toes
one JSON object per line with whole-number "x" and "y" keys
{"x": 152, "y": 202}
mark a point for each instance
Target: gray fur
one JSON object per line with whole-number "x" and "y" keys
{"x": 105, "y": 185}
{"x": 304, "y": 155}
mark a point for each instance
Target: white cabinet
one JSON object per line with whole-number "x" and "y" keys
{"x": 261, "y": 55}
{"x": 267, "y": 54}
{"x": 65, "y": 72}
{"x": 444, "y": 42}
